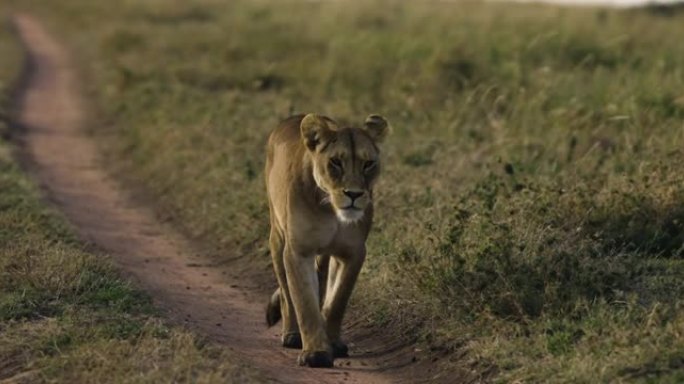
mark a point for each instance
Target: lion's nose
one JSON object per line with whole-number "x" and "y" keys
{"x": 353, "y": 194}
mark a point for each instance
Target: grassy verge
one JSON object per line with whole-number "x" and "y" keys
{"x": 531, "y": 210}
{"x": 65, "y": 315}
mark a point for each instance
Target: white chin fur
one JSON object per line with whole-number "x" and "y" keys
{"x": 349, "y": 216}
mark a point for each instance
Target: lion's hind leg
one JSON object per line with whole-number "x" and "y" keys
{"x": 322, "y": 268}
{"x": 273, "y": 314}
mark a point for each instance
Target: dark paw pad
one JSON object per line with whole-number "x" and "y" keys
{"x": 292, "y": 340}
{"x": 340, "y": 349}
{"x": 318, "y": 359}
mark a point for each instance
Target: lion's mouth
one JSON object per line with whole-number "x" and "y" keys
{"x": 350, "y": 214}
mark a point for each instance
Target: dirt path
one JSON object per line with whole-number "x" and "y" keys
{"x": 65, "y": 161}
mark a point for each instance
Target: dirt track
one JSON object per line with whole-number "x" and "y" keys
{"x": 65, "y": 161}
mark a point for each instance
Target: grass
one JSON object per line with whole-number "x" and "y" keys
{"x": 65, "y": 314}
{"x": 531, "y": 211}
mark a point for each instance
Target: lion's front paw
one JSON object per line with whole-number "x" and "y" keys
{"x": 316, "y": 359}
{"x": 340, "y": 349}
{"x": 292, "y": 340}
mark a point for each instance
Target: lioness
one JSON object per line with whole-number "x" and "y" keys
{"x": 319, "y": 178}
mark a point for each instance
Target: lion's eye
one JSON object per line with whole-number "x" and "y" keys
{"x": 335, "y": 162}
{"x": 369, "y": 165}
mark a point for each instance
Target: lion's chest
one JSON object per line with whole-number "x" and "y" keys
{"x": 313, "y": 233}
{"x": 323, "y": 235}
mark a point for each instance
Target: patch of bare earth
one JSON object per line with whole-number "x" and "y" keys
{"x": 183, "y": 284}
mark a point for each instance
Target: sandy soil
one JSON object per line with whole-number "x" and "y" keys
{"x": 190, "y": 291}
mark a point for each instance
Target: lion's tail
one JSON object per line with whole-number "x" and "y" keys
{"x": 273, "y": 309}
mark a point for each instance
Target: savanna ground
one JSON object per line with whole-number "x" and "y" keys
{"x": 65, "y": 314}
{"x": 531, "y": 209}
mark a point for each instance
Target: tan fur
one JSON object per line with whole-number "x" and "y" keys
{"x": 319, "y": 178}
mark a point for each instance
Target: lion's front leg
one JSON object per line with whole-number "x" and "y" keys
{"x": 291, "y": 337}
{"x": 344, "y": 269}
{"x": 302, "y": 280}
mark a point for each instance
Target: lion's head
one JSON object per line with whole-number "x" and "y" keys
{"x": 346, "y": 161}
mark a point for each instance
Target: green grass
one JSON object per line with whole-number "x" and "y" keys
{"x": 531, "y": 211}
{"x": 65, "y": 314}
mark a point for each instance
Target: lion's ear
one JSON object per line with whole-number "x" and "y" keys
{"x": 316, "y": 130}
{"x": 377, "y": 127}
